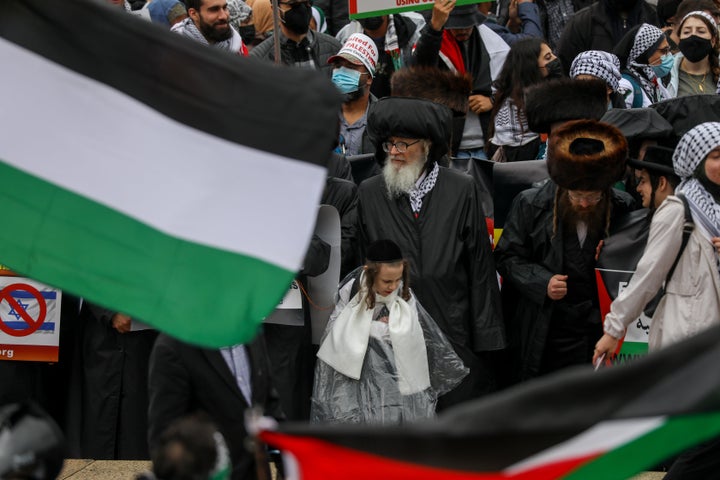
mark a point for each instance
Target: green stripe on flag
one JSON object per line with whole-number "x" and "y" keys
{"x": 118, "y": 262}
{"x": 634, "y": 348}
{"x": 674, "y": 436}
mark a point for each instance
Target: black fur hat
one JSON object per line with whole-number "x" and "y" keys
{"x": 410, "y": 118}
{"x": 564, "y": 99}
{"x": 586, "y": 155}
{"x": 441, "y": 86}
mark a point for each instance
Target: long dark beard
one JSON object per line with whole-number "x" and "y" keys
{"x": 213, "y": 35}
{"x": 597, "y": 218}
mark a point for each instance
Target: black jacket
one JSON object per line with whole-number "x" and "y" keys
{"x": 115, "y": 396}
{"x": 319, "y": 46}
{"x": 186, "y": 379}
{"x": 527, "y": 256}
{"x": 593, "y": 29}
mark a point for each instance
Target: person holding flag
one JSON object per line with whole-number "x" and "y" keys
{"x": 688, "y": 265}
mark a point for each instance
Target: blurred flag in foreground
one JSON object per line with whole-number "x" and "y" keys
{"x": 574, "y": 425}
{"x": 153, "y": 175}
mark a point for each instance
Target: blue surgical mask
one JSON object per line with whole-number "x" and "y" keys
{"x": 665, "y": 67}
{"x": 346, "y": 79}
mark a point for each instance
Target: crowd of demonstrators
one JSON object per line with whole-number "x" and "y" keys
{"x": 395, "y": 37}
{"x": 421, "y": 89}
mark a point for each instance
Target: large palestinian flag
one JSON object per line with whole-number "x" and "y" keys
{"x": 577, "y": 424}
{"x": 154, "y": 175}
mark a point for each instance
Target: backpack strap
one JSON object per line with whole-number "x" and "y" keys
{"x": 688, "y": 228}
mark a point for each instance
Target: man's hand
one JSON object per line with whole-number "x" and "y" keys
{"x": 121, "y": 322}
{"x": 557, "y": 287}
{"x": 606, "y": 345}
{"x": 716, "y": 243}
{"x": 440, "y": 13}
{"x": 480, "y": 104}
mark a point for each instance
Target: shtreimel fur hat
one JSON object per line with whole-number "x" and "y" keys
{"x": 586, "y": 155}
{"x": 440, "y": 86}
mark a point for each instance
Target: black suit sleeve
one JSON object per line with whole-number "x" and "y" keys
{"x": 168, "y": 387}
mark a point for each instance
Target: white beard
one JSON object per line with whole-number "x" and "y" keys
{"x": 401, "y": 181}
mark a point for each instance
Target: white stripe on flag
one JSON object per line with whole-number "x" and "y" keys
{"x": 598, "y": 439}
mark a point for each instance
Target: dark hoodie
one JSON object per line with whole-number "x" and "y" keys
{"x": 600, "y": 27}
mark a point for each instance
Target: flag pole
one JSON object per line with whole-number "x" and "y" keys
{"x": 276, "y": 30}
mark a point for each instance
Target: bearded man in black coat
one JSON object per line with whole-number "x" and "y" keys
{"x": 434, "y": 215}
{"x": 546, "y": 254}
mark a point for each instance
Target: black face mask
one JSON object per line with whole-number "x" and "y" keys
{"x": 372, "y": 23}
{"x": 247, "y": 32}
{"x": 297, "y": 19}
{"x": 695, "y": 48}
{"x": 554, "y": 69}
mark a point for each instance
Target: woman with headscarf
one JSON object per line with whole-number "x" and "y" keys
{"x": 697, "y": 69}
{"x": 530, "y": 61}
{"x": 645, "y": 57}
{"x": 690, "y": 267}
{"x": 604, "y": 66}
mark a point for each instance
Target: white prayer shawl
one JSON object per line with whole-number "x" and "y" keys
{"x": 346, "y": 343}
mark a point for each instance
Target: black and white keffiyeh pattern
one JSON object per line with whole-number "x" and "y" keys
{"x": 238, "y": 12}
{"x": 511, "y": 127}
{"x": 692, "y": 149}
{"x": 559, "y": 13}
{"x": 187, "y": 28}
{"x": 646, "y": 37}
{"x": 603, "y": 65}
{"x": 417, "y": 193}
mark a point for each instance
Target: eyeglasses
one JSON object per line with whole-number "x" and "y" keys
{"x": 591, "y": 198}
{"x": 401, "y": 147}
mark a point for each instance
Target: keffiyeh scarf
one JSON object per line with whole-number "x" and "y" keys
{"x": 692, "y": 149}
{"x": 187, "y": 28}
{"x": 417, "y": 192}
{"x": 599, "y": 64}
{"x": 645, "y": 38}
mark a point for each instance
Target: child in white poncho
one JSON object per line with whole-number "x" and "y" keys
{"x": 382, "y": 358}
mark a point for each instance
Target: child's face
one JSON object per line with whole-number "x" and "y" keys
{"x": 388, "y": 278}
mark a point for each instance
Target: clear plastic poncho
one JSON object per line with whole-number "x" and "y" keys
{"x": 376, "y": 397}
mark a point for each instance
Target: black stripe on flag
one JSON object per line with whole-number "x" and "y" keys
{"x": 295, "y": 114}
{"x": 495, "y": 432}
